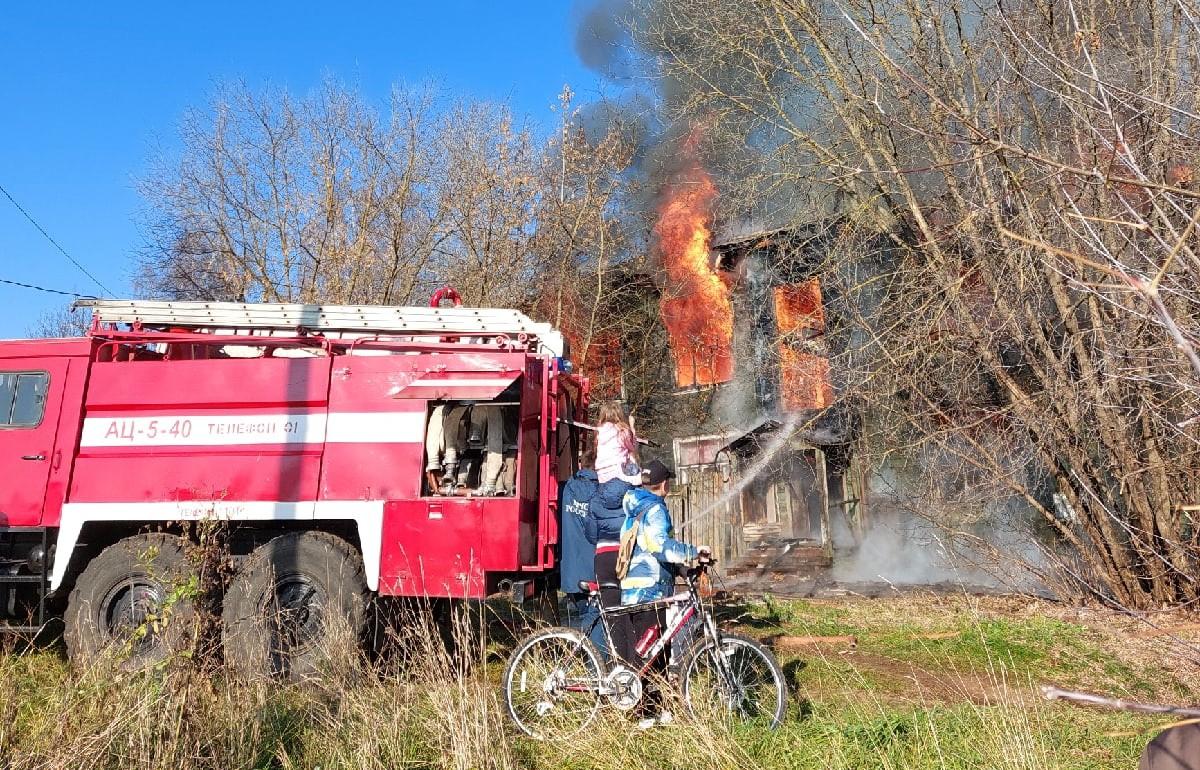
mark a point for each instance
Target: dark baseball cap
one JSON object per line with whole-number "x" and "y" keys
{"x": 654, "y": 472}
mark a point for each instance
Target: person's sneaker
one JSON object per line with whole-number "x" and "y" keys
{"x": 663, "y": 719}
{"x": 486, "y": 490}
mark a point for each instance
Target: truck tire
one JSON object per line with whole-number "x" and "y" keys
{"x": 295, "y": 607}
{"x": 134, "y": 599}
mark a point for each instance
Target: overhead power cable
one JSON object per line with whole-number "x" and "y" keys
{"x": 42, "y": 230}
{"x": 43, "y": 288}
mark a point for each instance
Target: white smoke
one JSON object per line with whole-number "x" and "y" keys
{"x": 907, "y": 550}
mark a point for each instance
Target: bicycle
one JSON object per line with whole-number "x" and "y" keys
{"x": 556, "y": 680}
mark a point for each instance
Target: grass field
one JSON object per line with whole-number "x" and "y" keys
{"x": 933, "y": 682}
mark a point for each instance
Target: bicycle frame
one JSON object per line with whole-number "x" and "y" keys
{"x": 693, "y": 606}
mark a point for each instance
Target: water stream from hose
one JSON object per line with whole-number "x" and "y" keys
{"x": 778, "y": 442}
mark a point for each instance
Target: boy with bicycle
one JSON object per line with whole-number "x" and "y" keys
{"x": 653, "y": 560}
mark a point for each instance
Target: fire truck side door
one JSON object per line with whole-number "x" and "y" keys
{"x": 30, "y": 399}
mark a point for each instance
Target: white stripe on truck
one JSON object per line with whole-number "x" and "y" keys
{"x": 242, "y": 429}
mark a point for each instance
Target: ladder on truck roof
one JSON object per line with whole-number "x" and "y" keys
{"x": 353, "y": 319}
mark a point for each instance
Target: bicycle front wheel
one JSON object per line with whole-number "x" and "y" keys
{"x": 738, "y": 679}
{"x": 552, "y": 683}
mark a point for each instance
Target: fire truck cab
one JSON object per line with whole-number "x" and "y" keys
{"x": 318, "y": 433}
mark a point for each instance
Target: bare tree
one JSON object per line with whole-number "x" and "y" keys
{"x": 1006, "y": 199}
{"x": 322, "y": 198}
{"x": 64, "y": 321}
{"x": 282, "y": 199}
{"x": 587, "y": 242}
{"x": 488, "y": 189}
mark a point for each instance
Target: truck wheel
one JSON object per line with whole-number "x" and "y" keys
{"x": 295, "y": 606}
{"x": 133, "y": 595}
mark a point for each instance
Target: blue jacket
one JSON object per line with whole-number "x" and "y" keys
{"x": 578, "y": 555}
{"x": 605, "y": 514}
{"x": 650, "y": 575}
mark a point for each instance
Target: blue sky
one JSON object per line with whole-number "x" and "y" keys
{"x": 89, "y": 91}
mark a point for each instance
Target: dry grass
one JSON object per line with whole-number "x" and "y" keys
{"x": 420, "y": 705}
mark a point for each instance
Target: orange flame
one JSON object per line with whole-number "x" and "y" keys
{"x": 798, "y": 307}
{"x": 696, "y": 307}
{"x": 804, "y": 380}
{"x": 803, "y": 377}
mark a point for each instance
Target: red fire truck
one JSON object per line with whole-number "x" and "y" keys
{"x": 319, "y": 433}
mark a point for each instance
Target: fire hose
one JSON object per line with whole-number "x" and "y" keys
{"x": 585, "y": 426}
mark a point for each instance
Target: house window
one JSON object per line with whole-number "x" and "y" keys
{"x": 700, "y": 453}
{"x": 804, "y": 381}
{"x": 23, "y": 398}
{"x": 798, "y": 309}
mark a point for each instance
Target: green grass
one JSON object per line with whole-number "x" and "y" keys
{"x": 960, "y": 634}
{"x": 952, "y": 737}
{"x": 899, "y": 700}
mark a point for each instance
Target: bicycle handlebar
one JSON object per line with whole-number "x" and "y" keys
{"x": 702, "y": 566}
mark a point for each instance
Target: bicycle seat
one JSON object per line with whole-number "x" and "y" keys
{"x": 592, "y": 587}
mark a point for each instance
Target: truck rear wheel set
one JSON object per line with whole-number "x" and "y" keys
{"x": 295, "y": 606}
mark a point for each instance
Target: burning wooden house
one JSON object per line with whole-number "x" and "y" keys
{"x": 742, "y": 399}
{"x": 767, "y": 473}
